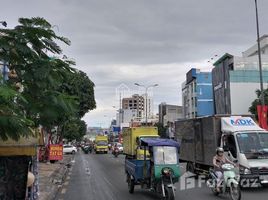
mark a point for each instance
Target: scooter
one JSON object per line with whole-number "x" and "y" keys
{"x": 230, "y": 183}
{"x": 116, "y": 152}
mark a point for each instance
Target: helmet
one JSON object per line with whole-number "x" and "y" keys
{"x": 219, "y": 149}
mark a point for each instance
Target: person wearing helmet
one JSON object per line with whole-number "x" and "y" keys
{"x": 218, "y": 160}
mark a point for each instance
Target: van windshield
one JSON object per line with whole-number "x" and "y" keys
{"x": 253, "y": 144}
{"x": 102, "y": 143}
{"x": 165, "y": 155}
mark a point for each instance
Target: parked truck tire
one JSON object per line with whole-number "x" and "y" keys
{"x": 190, "y": 167}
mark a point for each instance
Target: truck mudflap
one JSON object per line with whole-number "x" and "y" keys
{"x": 135, "y": 168}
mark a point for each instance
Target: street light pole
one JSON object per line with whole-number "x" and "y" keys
{"x": 259, "y": 54}
{"x": 146, "y": 98}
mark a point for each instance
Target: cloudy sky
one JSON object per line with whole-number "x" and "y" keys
{"x": 144, "y": 41}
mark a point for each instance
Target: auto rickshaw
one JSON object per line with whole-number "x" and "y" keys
{"x": 159, "y": 169}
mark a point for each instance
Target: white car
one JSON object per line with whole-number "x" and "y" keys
{"x": 69, "y": 149}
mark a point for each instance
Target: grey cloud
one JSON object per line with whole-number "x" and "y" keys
{"x": 145, "y": 41}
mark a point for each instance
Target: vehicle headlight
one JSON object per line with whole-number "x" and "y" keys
{"x": 244, "y": 170}
{"x": 166, "y": 171}
{"x": 247, "y": 171}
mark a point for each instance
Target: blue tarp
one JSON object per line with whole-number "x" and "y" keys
{"x": 159, "y": 142}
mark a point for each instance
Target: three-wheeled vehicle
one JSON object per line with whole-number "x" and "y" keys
{"x": 158, "y": 170}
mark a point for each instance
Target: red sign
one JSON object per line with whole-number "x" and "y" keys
{"x": 55, "y": 152}
{"x": 262, "y": 115}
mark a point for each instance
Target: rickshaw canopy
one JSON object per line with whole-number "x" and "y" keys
{"x": 151, "y": 142}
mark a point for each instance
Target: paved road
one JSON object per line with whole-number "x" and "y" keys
{"x": 101, "y": 177}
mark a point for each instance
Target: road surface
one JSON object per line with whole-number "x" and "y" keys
{"x": 102, "y": 177}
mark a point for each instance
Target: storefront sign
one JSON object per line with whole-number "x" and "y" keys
{"x": 55, "y": 152}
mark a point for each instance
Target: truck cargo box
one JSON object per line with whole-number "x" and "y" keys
{"x": 130, "y": 136}
{"x": 199, "y": 138}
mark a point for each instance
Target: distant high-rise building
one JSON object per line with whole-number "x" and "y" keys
{"x": 136, "y": 102}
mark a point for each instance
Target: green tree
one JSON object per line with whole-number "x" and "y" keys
{"x": 253, "y": 108}
{"x": 161, "y": 130}
{"x": 78, "y": 84}
{"x": 13, "y": 122}
{"x": 75, "y": 129}
{"x": 31, "y": 51}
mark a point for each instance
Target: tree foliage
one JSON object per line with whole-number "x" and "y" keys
{"x": 75, "y": 129}
{"x": 78, "y": 84}
{"x": 253, "y": 108}
{"x": 161, "y": 130}
{"x": 32, "y": 53}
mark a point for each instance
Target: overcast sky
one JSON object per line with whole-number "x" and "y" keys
{"x": 144, "y": 41}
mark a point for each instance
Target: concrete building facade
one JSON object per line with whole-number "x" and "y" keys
{"x": 169, "y": 113}
{"x": 235, "y": 79}
{"x": 197, "y": 94}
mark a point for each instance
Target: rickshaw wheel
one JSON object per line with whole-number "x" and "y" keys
{"x": 131, "y": 184}
{"x": 169, "y": 194}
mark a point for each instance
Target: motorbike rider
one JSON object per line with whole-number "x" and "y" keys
{"x": 115, "y": 148}
{"x": 218, "y": 160}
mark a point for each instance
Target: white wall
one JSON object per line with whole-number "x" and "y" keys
{"x": 242, "y": 95}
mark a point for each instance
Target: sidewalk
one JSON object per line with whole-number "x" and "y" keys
{"x": 51, "y": 177}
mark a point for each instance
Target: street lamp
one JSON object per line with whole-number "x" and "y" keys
{"x": 259, "y": 54}
{"x": 146, "y": 97}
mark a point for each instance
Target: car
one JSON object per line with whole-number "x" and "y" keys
{"x": 69, "y": 149}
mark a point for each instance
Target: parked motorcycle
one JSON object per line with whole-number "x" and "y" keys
{"x": 230, "y": 183}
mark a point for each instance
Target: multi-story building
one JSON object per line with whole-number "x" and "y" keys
{"x": 136, "y": 102}
{"x": 197, "y": 94}
{"x": 148, "y": 107}
{"x": 169, "y": 113}
{"x": 235, "y": 79}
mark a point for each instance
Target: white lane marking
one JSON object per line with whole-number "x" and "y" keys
{"x": 87, "y": 171}
{"x": 106, "y": 180}
{"x": 66, "y": 183}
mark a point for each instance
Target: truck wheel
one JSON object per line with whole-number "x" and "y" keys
{"x": 169, "y": 194}
{"x": 190, "y": 167}
{"x": 131, "y": 184}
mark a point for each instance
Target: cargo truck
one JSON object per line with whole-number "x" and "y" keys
{"x": 132, "y": 137}
{"x": 101, "y": 144}
{"x": 241, "y": 138}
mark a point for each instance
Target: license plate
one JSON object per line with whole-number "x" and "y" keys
{"x": 264, "y": 177}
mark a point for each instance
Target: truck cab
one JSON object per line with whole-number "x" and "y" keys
{"x": 101, "y": 144}
{"x": 243, "y": 140}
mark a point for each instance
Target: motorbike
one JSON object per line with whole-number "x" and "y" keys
{"x": 229, "y": 185}
{"x": 116, "y": 152}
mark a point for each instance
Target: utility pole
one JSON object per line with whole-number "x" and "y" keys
{"x": 259, "y": 55}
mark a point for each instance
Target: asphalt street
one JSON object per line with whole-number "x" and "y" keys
{"x": 102, "y": 177}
